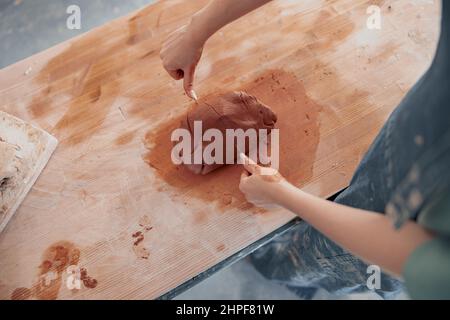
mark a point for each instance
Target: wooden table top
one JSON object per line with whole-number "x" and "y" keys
{"x": 109, "y": 201}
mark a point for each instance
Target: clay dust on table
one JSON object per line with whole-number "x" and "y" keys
{"x": 298, "y": 124}
{"x": 93, "y": 71}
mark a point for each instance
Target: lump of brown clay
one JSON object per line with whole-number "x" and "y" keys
{"x": 233, "y": 110}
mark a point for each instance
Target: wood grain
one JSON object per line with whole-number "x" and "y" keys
{"x": 105, "y": 96}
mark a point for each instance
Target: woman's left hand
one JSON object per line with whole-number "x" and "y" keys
{"x": 260, "y": 185}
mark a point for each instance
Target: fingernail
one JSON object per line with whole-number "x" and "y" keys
{"x": 242, "y": 157}
{"x": 193, "y": 95}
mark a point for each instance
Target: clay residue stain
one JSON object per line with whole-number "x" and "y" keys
{"x": 139, "y": 237}
{"x": 330, "y": 29}
{"x": 87, "y": 280}
{"x": 40, "y": 103}
{"x": 227, "y": 199}
{"x": 298, "y": 122}
{"x": 140, "y": 250}
{"x": 222, "y": 66}
{"x": 55, "y": 261}
{"x": 21, "y": 294}
{"x": 145, "y": 223}
{"x": 91, "y": 76}
{"x": 138, "y": 28}
{"x": 125, "y": 138}
{"x": 285, "y": 94}
{"x": 92, "y": 72}
{"x": 378, "y": 2}
{"x": 200, "y": 217}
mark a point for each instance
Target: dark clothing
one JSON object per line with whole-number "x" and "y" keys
{"x": 406, "y": 174}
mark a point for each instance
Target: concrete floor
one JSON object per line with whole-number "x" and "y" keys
{"x": 30, "y": 26}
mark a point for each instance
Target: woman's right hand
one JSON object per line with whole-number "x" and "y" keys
{"x": 180, "y": 54}
{"x": 262, "y": 186}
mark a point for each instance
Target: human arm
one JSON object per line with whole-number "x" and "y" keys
{"x": 367, "y": 234}
{"x": 219, "y": 13}
{"x": 182, "y": 50}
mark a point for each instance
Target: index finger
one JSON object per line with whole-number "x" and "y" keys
{"x": 188, "y": 83}
{"x": 249, "y": 165}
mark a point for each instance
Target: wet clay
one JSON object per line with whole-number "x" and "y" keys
{"x": 298, "y": 122}
{"x": 232, "y": 110}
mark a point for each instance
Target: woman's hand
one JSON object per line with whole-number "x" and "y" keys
{"x": 180, "y": 54}
{"x": 261, "y": 186}
{"x": 182, "y": 50}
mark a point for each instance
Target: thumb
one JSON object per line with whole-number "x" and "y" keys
{"x": 249, "y": 165}
{"x": 245, "y": 174}
{"x": 189, "y": 82}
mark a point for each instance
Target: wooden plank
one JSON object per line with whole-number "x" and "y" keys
{"x": 107, "y": 99}
{"x": 24, "y": 152}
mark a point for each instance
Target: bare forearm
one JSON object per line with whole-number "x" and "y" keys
{"x": 219, "y": 13}
{"x": 366, "y": 234}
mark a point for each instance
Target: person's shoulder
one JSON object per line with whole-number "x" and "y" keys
{"x": 426, "y": 272}
{"x": 435, "y": 215}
